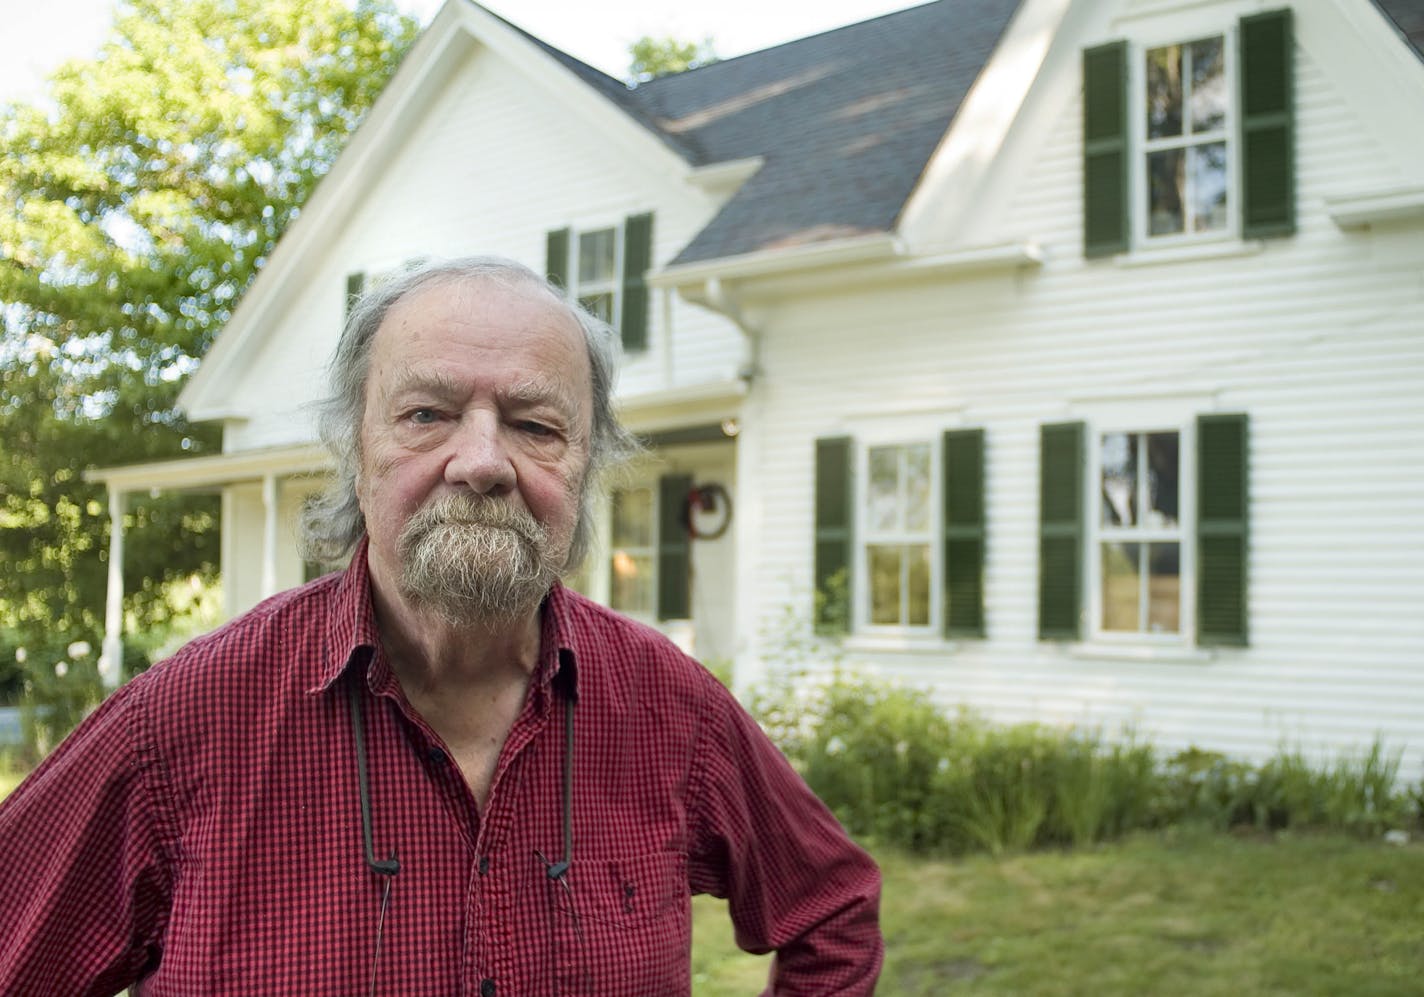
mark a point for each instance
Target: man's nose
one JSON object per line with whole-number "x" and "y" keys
{"x": 479, "y": 457}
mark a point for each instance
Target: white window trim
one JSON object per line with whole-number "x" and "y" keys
{"x": 860, "y": 611}
{"x": 577, "y": 290}
{"x": 1093, "y": 533}
{"x": 1142, "y": 241}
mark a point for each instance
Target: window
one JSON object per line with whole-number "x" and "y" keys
{"x": 633, "y": 553}
{"x": 650, "y": 561}
{"x": 1191, "y": 139}
{"x": 1139, "y": 544}
{"x": 597, "y": 285}
{"x": 1185, "y": 141}
{"x": 605, "y": 270}
{"x": 1158, "y": 559}
{"x": 898, "y": 538}
{"x": 899, "y": 535}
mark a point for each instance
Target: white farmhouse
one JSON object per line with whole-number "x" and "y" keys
{"x": 1065, "y": 356}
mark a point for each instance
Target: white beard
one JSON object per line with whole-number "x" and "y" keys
{"x": 474, "y": 560}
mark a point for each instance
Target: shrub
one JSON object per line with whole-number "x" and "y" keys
{"x": 997, "y": 790}
{"x": 58, "y": 693}
{"x": 898, "y": 771}
{"x": 1204, "y": 787}
{"x": 870, "y": 750}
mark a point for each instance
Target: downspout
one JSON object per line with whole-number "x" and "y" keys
{"x": 748, "y": 670}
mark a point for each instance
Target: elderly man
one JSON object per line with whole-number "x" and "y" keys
{"x": 438, "y": 772}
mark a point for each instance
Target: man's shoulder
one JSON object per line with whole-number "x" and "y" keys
{"x": 615, "y": 648}
{"x": 255, "y": 647}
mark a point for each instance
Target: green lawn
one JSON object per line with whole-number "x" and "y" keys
{"x": 1181, "y": 913}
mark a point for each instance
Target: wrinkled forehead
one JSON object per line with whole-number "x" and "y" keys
{"x": 498, "y": 314}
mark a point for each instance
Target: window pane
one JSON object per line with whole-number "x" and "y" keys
{"x": 1208, "y": 100}
{"x": 600, "y": 305}
{"x": 884, "y": 584}
{"x": 1162, "y": 480}
{"x": 1119, "y": 487}
{"x": 884, "y": 496}
{"x": 633, "y": 518}
{"x": 632, "y": 588}
{"x": 1166, "y": 178}
{"x": 917, "y": 487}
{"x": 1164, "y": 92}
{"x": 1120, "y": 586}
{"x": 919, "y": 584}
{"x": 1207, "y": 165}
{"x": 596, "y": 256}
{"x": 1164, "y": 588}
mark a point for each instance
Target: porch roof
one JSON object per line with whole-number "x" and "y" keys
{"x": 195, "y": 473}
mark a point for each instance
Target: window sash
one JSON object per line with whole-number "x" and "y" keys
{"x": 635, "y": 554}
{"x": 581, "y": 290}
{"x": 1143, "y": 147}
{"x": 900, "y": 537}
{"x": 1100, "y": 536}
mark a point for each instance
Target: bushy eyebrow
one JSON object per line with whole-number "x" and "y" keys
{"x": 531, "y": 391}
{"x": 540, "y": 390}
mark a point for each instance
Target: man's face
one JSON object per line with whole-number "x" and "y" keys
{"x": 474, "y": 445}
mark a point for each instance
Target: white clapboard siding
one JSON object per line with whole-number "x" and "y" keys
{"x": 1318, "y": 337}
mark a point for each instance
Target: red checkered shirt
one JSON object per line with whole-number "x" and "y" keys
{"x": 201, "y": 833}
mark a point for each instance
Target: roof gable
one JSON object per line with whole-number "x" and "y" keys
{"x": 845, "y": 122}
{"x": 461, "y": 29}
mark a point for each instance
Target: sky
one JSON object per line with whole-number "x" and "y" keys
{"x": 37, "y": 35}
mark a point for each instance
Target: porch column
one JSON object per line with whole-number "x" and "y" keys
{"x": 269, "y": 535}
{"x": 111, "y": 659}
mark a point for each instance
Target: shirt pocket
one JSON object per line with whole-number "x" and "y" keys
{"x": 631, "y": 930}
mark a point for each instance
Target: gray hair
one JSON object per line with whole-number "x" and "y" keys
{"x": 332, "y": 521}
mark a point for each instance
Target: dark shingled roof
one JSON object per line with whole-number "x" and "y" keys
{"x": 1408, "y": 19}
{"x": 845, "y": 120}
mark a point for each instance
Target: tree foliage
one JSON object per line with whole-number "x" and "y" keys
{"x": 653, "y": 57}
{"x": 143, "y": 194}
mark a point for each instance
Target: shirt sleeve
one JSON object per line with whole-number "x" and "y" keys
{"x": 84, "y": 891}
{"x": 795, "y": 882}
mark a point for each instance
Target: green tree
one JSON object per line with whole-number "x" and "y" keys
{"x": 146, "y": 190}
{"x": 654, "y": 57}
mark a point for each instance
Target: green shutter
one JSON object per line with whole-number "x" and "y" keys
{"x": 637, "y": 258}
{"x": 964, "y": 533}
{"x": 674, "y": 548}
{"x": 1267, "y": 125}
{"x": 835, "y": 519}
{"x": 1105, "y": 154}
{"x": 1222, "y": 518}
{"x": 556, "y": 257}
{"x": 1060, "y": 531}
{"x": 355, "y": 284}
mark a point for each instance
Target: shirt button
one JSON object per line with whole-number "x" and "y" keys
{"x": 484, "y": 865}
{"x": 487, "y": 987}
{"x": 436, "y": 756}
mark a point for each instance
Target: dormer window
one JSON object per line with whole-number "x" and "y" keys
{"x": 1189, "y": 140}
{"x": 605, "y": 270}
{"x": 1187, "y": 112}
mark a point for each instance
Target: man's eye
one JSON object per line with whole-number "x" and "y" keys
{"x": 535, "y": 428}
{"x": 423, "y": 416}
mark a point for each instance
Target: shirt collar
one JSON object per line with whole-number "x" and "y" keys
{"x": 352, "y": 633}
